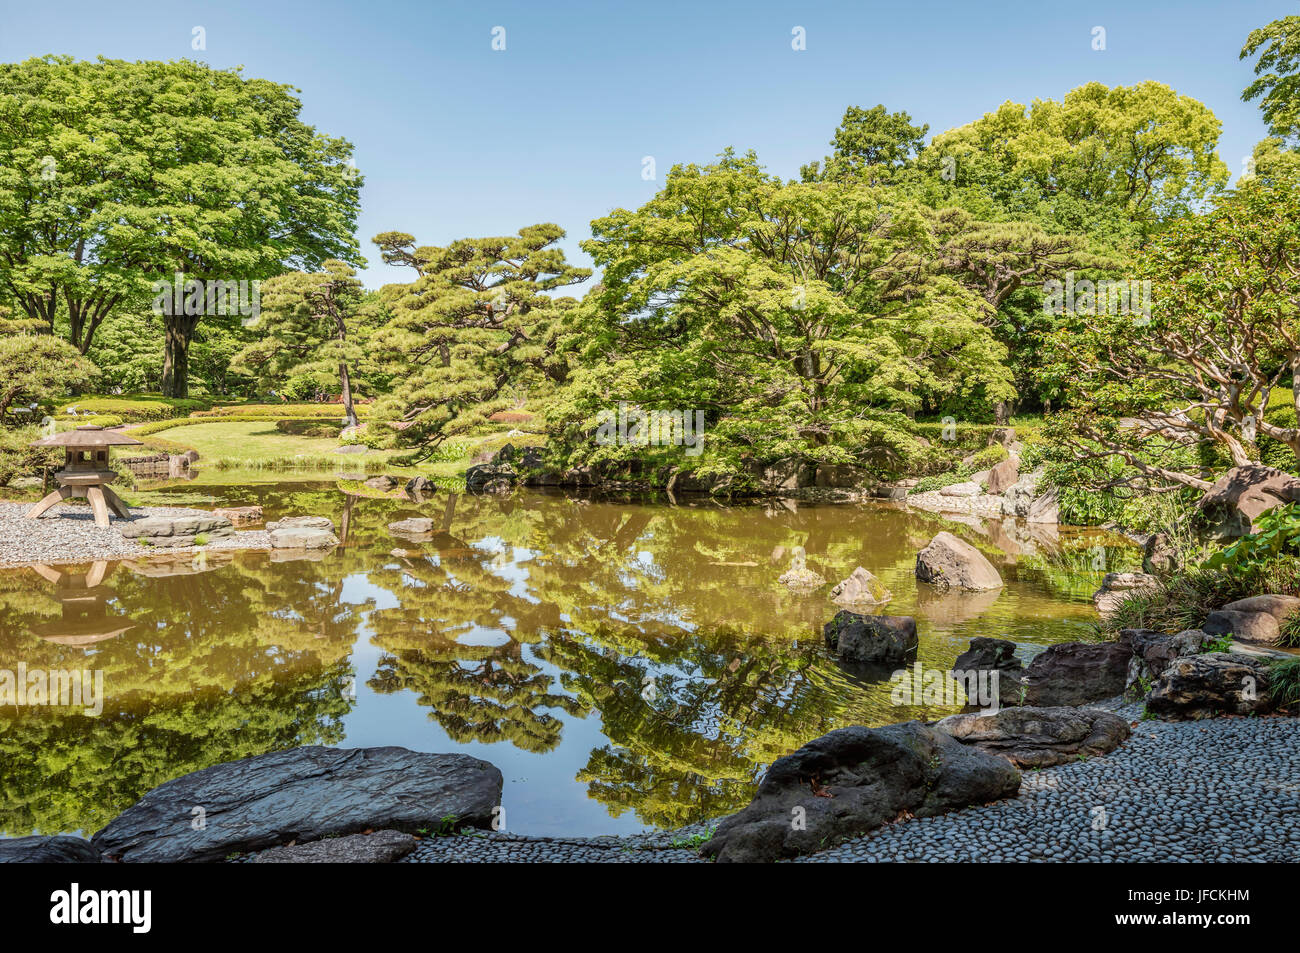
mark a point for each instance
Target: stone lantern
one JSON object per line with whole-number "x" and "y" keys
{"x": 85, "y": 472}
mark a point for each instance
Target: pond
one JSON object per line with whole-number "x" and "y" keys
{"x": 627, "y": 664}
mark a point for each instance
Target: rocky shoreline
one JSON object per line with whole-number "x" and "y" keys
{"x": 68, "y": 534}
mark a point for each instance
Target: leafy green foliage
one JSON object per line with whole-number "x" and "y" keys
{"x": 1278, "y": 535}
{"x": 474, "y": 331}
{"x": 1284, "y": 681}
{"x": 116, "y": 174}
{"x": 1277, "y": 85}
{"x": 35, "y": 368}
{"x": 307, "y": 333}
{"x": 1162, "y": 400}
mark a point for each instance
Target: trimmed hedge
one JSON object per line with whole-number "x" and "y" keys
{"x": 277, "y": 411}
{"x": 136, "y": 408}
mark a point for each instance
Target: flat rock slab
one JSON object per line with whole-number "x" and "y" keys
{"x": 381, "y": 847}
{"x": 302, "y": 522}
{"x": 301, "y": 795}
{"x": 303, "y": 538}
{"x": 1040, "y": 737}
{"x": 418, "y": 526}
{"x": 59, "y": 849}
{"x": 177, "y": 531}
{"x": 854, "y": 780}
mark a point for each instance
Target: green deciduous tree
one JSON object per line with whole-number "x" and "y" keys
{"x": 1099, "y": 157}
{"x": 1277, "y": 83}
{"x": 871, "y": 144}
{"x": 114, "y": 175}
{"x": 804, "y": 318}
{"x": 1224, "y": 334}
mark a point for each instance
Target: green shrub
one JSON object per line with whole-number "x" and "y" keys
{"x": 1184, "y": 600}
{"x": 938, "y": 482}
{"x": 1278, "y": 535}
{"x": 988, "y": 458}
{"x": 307, "y": 427}
{"x": 98, "y": 420}
{"x": 18, "y": 458}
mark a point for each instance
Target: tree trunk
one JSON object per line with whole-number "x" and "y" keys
{"x": 178, "y": 331}
{"x": 346, "y": 384}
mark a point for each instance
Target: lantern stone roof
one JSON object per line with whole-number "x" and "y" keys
{"x": 90, "y": 435}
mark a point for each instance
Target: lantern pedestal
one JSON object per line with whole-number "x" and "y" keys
{"x": 89, "y": 485}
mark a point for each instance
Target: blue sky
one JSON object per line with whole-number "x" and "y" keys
{"x": 458, "y": 139}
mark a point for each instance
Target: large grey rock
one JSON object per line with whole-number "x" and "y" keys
{"x": 843, "y": 476}
{"x": 303, "y": 538}
{"x": 381, "y": 847}
{"x": 1078, "y": 673}
{"x": 784, "y": 475}
{"x": 951, "y": 563}
{"x": 1280, "y": 607}
{"x": 1230, "y": 507}
{"x": 59, "y": 849}
{"x": 418, "y": 486}
{"x": 1045, "y": 507}
{"x": 1024, "y": 500}
{"x": 1039, "y": 737}
{"x": 301, "y": 795}
{"x": 1116, "y": 587}
{"x": 872, "y": 639}
{"x": 480, "y": 476}
{"x": 1257, "y": 627}
{"x": 1215, "y": 683}
{"x": 1153, "y": 652}
{"x": 852, "y": 781}
{"x": 861, "y": 588}
{"x": 967, "y": 489}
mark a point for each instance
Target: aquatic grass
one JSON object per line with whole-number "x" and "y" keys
{"x": 1183, "y": 601}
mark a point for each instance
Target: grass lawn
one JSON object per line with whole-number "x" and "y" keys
{"x": 257, "y": 442}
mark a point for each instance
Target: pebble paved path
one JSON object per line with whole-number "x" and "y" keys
{"x": 1226, "y": 789}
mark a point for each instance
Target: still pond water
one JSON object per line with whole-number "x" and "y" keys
{"x": 627, "y": 665}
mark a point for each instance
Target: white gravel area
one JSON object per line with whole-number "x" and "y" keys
{"x": 68, "y": 534}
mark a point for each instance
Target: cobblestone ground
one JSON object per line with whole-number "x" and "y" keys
{"x": 1209, "y": 791}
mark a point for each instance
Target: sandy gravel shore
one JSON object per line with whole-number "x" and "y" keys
{"x": 68, "y": 534}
